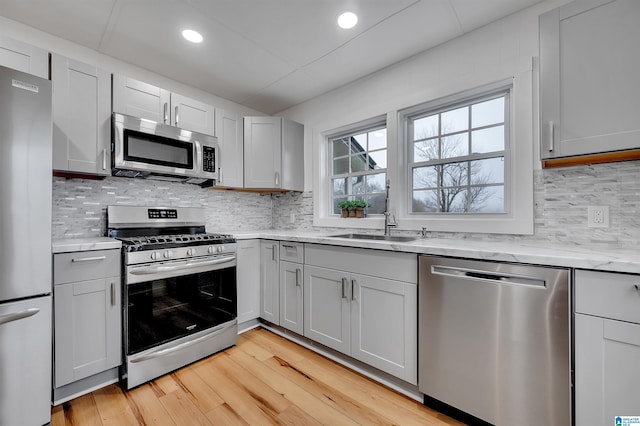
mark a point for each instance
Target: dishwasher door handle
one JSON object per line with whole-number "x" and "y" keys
{"x": 492, "y": 276}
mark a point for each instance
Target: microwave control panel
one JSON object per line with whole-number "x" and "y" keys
{"x": 208, "y": 159}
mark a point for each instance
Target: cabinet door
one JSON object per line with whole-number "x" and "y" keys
{"x": 269, "y": 282}
{"x": 193, "y": 115}
{"x": 384, "y": 320}
{"x": 292, "y": 155}
{"x": 23, "y": 57}
{"x": 142, "y": 100}
{"x": 589, "y": 63}
{"x": 291, "y": 296}
{"x": 81, "y": 117}
{"x": 607, "y": 370}
{"x": 230, "y": 137}
{"x": 87, "y": 323}
{"x": 248, "y": 280}
{"x": 326, "y": 307}
{"x": 262, "y": 152}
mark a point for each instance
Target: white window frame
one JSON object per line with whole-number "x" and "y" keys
{"x": 322, "y": 192}
{"x": 518, "y": 221}
{"x": 518, "y": 216}
{"x": 366, "y": 172}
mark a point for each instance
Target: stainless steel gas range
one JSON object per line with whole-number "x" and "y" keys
{"x": 180, "y": 298}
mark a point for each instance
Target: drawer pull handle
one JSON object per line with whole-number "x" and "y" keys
{"x": 89, "y": 259}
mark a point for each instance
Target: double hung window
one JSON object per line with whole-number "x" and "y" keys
{"x": 457, "y": 154}
{"x": 359, "y": 167}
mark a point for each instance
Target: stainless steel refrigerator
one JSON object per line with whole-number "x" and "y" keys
{"x": 25, "y": 249}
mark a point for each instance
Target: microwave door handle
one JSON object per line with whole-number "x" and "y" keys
{"x": 166, "y": 110}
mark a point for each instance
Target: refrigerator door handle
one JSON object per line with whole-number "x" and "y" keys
{"x": 18, "y": 315}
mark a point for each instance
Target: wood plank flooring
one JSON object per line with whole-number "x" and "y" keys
{"x": 265, "y": 379}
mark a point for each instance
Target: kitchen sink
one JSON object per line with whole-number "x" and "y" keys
{"x": 397, "y": 238}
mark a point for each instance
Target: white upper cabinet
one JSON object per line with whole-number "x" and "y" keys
{"x": 273, "y": 153}
{"x": 589, "y": 65}
{"x": 81, "y": 117}
{"x": 143, "y": 100}
{"x": 229, "y": 131}
{"x": 23, "y": 57}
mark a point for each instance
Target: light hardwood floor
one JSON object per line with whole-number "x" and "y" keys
{"x": 265, "y": 379}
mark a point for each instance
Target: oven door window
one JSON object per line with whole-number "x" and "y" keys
{"x": 146, "y": 148}
{"x": 159, "y": 311}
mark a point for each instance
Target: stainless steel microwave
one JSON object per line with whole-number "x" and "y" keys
{"x": 144, "y": 148}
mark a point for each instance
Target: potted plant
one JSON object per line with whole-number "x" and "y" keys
{"x": 344, "y": 206}
{"x": 353, "y": 208}
{"x": 359, "y": 207}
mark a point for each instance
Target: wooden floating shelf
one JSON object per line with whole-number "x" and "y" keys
{"x": 607, "y": 157}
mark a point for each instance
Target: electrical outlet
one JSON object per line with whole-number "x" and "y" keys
{"x": 292, "y": 217}
{"x": 598, "y": 216}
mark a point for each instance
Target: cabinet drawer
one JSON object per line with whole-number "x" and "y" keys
{"x": 292, "y": 252}
{"x": 608, "y": 295}
{"x": 85, "y": 265}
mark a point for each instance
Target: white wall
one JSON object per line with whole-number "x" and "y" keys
{"x": 491, "y": 53}
{"x": 48, "y": 42}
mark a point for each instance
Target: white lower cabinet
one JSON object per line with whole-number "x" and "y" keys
{"x": 269, "y": 281}
{"x": 291, "y": 290}
{"x": 371, "y": 318}
{"x": 248, "y": 280}
{"x": 607, "y": 347}
{"x": 87, "y": 318}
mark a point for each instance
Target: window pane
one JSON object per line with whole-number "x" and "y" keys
{"x": 376, "y": 203}
{"x": 339, "y": 186}
{"x": 425, "y": 201}
{"x": 359, "y": 142}
{"x": 340, "y": 166}
{"x": 377, "y": 139}
{"x": 426, "y": 150}
{"x": 487, "y": 113}
{"x": 487, "y": 171}
{"x": 487, "y": 199}
{"x": 488, "y": 140}
{"x": 455, "y": 174}
{"x": 359, "y": 163}
{"x": 376, "y": 183}
{"x": 341, "y": 147}
{"x": 455, "y": 146}
{"x": 453, "y": 200}
{"x": 357, "y": 185}
{"x": 426, "y": 127}
{"x": 425, "y": 177}
{"x": 378, "y": 159}
{"x": 455, "y": 120}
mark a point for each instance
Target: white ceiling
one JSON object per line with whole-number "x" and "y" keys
{"x": 265, "y": 54}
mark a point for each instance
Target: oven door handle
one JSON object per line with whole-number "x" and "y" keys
{"x": 151, "y": 270}
{"x": 168, "y": 351}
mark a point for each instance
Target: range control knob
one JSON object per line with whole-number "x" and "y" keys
{"x": 155, "y": 255}
{"x": 191, "y": 252}
{"x": 167, "y": 254}
{"x": 212, "y": 249}
{"x": 220, "y": 248}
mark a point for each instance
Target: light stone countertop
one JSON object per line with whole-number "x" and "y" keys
{"x": 582, "y": 257}
{"x": 84, "y": 244}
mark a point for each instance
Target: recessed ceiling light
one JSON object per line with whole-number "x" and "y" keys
{"x": 347, "y": 20}
{"x": 192, "y": 36}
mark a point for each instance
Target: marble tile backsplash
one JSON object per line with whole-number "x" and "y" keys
{"x": 561, "y": 199}
{"x": 80, "y": 205}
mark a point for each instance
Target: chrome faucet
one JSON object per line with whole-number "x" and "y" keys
{"x": 389, "y": 219}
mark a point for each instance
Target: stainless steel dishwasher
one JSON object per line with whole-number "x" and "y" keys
{"x": 494, "y": 341}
